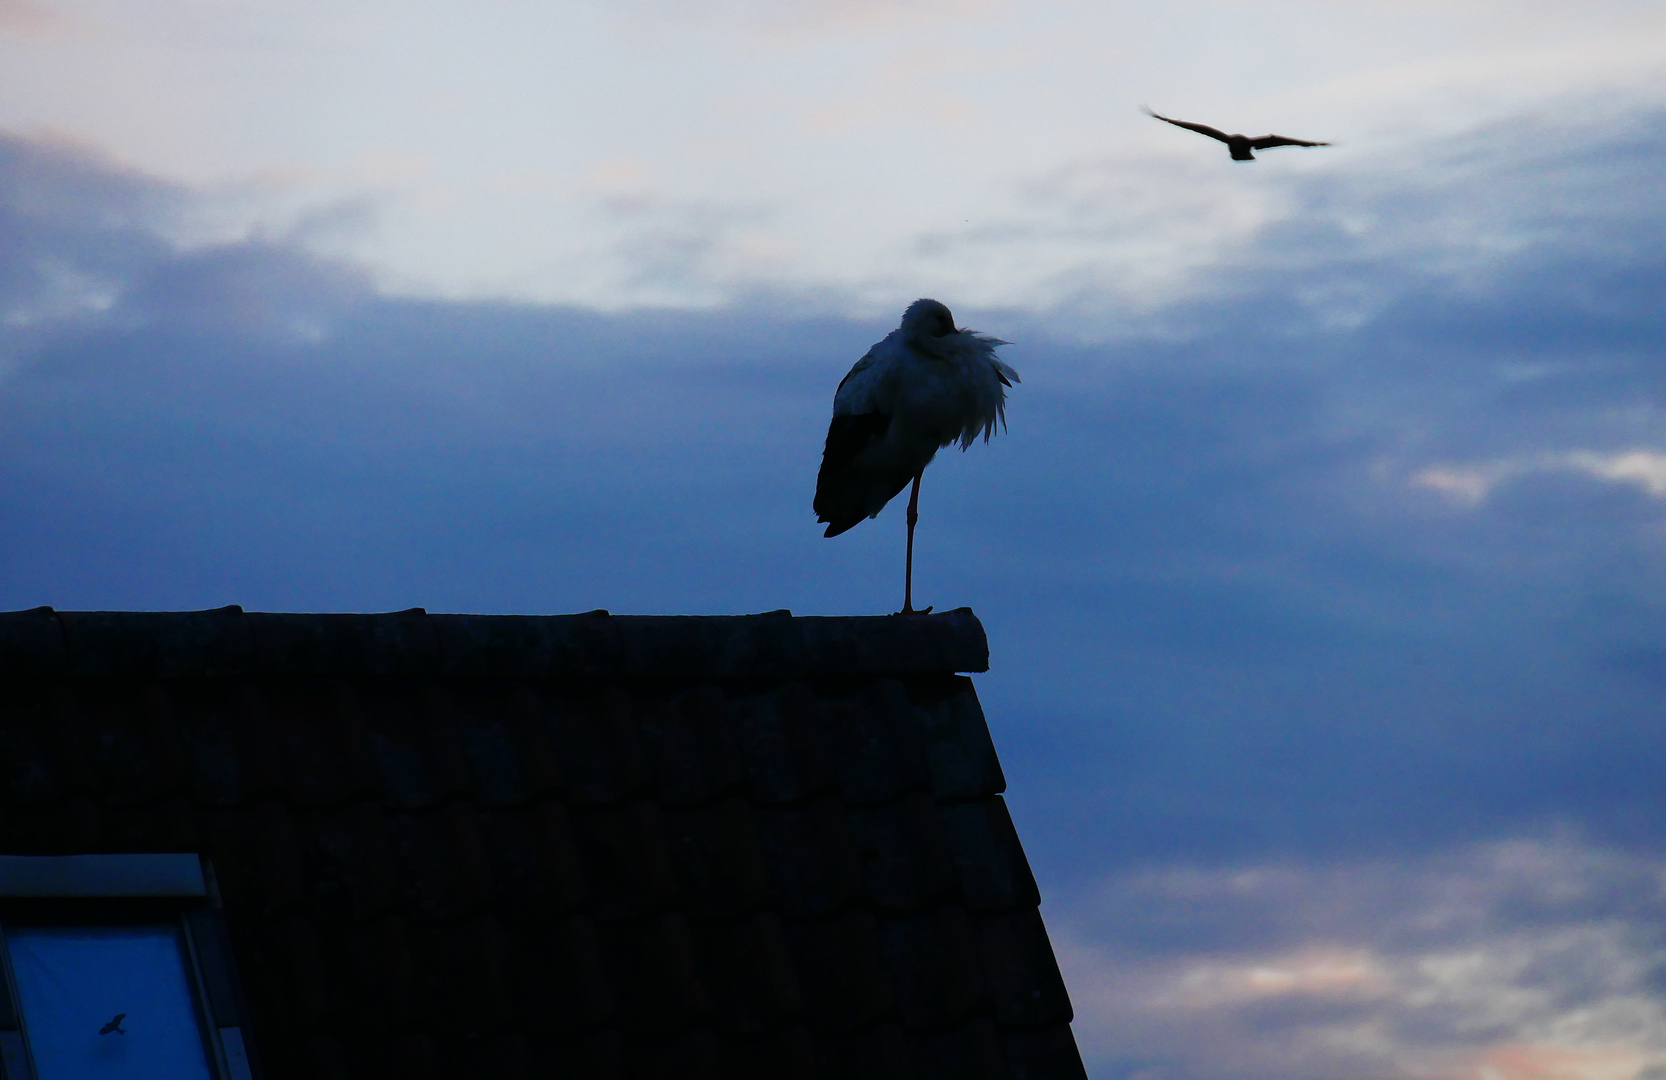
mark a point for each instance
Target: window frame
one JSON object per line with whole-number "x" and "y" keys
{"x": 116, "y": 890}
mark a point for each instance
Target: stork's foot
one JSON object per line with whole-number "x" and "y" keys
{"x": 915, "y": 611}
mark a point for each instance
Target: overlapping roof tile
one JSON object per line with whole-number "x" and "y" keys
{"x": 563, "y": 846}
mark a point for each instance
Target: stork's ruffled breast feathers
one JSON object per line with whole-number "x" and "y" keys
{"x": 983, "y": 379}
{"x": 950, "y": 382}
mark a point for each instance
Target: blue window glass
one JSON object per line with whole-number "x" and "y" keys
{"x": 72, "y": 982}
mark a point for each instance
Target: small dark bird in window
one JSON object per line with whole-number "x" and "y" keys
{"x": 1239, "y": 145}
{"x": 114, "y": 1025}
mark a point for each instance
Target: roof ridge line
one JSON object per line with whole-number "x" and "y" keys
{"x": 229, "y": 641}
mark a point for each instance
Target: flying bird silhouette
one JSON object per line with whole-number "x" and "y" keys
{"x": 1239, "y": 145}
{"x": 114, "y": 1025}
{"x": 925, "y": 386}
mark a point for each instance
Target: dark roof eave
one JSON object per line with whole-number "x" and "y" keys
{"x": 231, "y": 642}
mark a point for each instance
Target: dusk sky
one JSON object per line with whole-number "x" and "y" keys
{"x": 1324, "y": 561}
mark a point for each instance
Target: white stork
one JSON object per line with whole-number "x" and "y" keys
{"x": 925, "y": 386}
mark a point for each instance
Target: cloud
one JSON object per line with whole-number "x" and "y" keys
{"x": 671, "y": 251}
{"x": 1465, "y": 484}
{"x": 75, "y": 228}
{"x": 1538, "y": 957}
{"x": 87, "y": 244}
{"x": 25, "y": 18}
{"x": 1645, "y": 468}
{"x": 1114, "y": 240}
{"x": 1470, "y": 484}
{"x": 480, "y": 134}
{"x": 799, "y": 19}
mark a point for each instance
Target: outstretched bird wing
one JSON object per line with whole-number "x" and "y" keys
{"x": 1201, "y": 129}
{"x": 1265, "y": 142}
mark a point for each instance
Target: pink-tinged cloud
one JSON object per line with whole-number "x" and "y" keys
{"x": 1527, "y": 1061}
{"x": 1314, "y": 971}
{"x": 1529, "y": 960}
{"x": 25, "y": 18}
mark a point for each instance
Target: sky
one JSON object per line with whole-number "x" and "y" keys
{"x": 1322, "y": 563}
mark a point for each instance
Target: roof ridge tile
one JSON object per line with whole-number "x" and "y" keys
{"x": 228, "y": 641}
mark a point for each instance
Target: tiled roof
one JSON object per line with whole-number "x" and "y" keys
{"x": 561, "y": 846}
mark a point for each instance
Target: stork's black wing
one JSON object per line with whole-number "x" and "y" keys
{"x": 1201, "y": 129}
{"x": 840, "y": 489}
{"x": 849, "y": 435}
{"x": 1266, "y": 142}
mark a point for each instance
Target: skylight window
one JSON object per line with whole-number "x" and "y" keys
{"x": 115, "y": 967}
{"x": 107, "y": 1002}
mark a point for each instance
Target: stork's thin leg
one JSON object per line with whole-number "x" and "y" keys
{"x": 908, "y": 573}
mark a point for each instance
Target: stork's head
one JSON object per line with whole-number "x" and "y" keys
{"x": 926, "y": 319}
